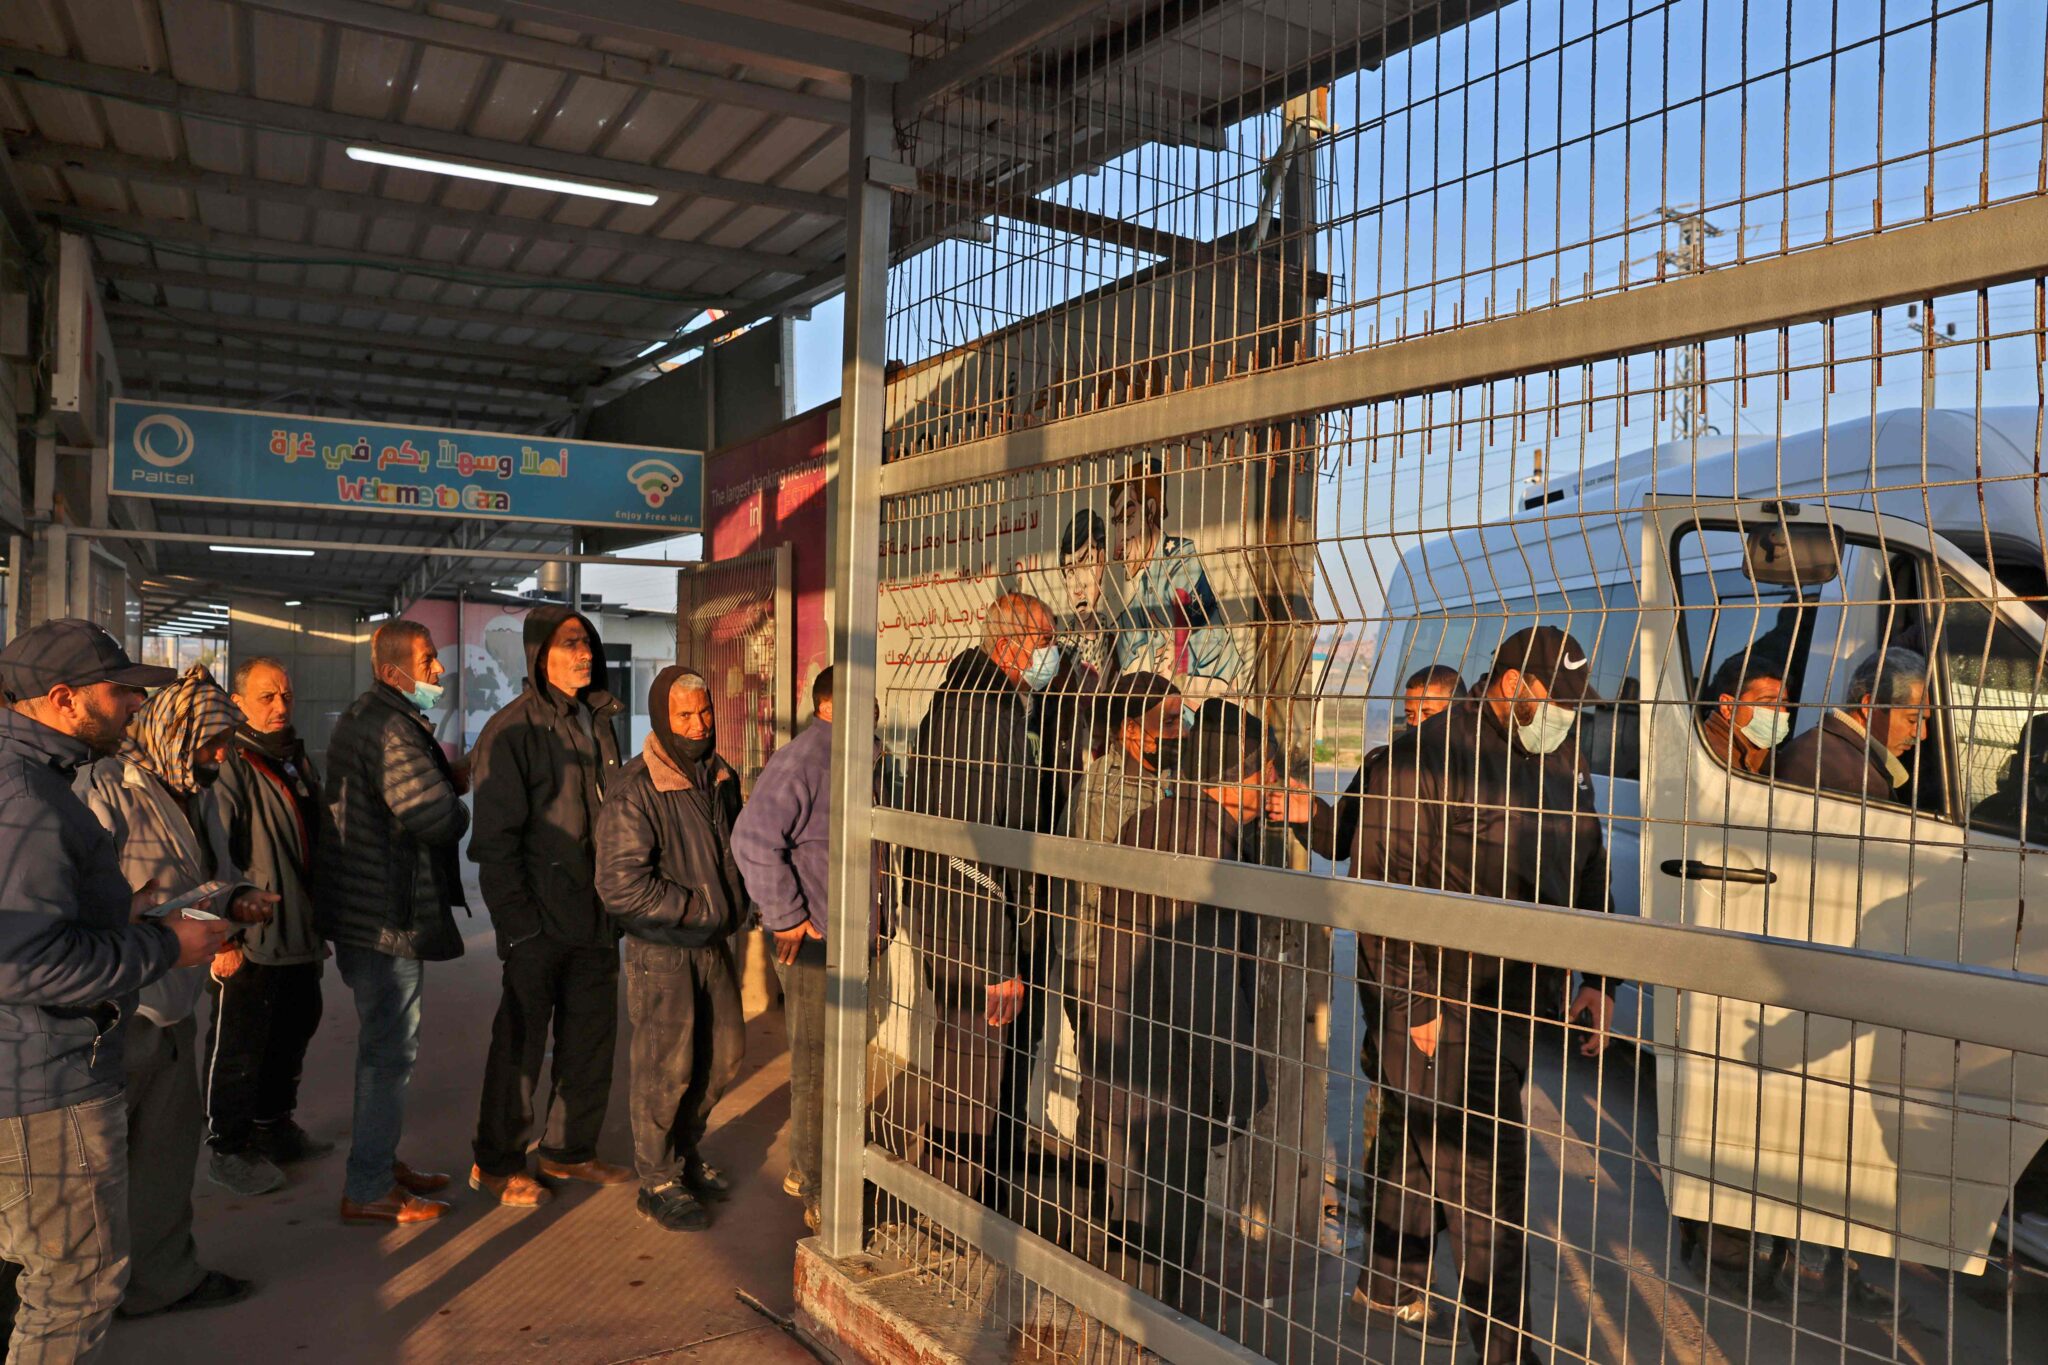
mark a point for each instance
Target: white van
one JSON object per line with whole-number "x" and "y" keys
{"x": 1817, "y": 549}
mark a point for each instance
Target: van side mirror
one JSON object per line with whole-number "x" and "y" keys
{"x": 1791, "y": 555}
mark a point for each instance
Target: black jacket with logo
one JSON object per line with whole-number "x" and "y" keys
{"x": 542, "y": 772}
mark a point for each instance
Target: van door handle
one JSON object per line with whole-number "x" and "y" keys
{"x": 1693, "y": 870}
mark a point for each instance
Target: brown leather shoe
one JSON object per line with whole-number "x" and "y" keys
{"x": 418, "y": 1182}
{"x": 516, "y": 1191}
{"x": 594, "y": 1172}
{"x": 400, "y": 1206}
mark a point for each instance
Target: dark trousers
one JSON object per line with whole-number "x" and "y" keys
{"x": 165, "y": 1120}
{"x": 1159, "y": 1159}
{"x": 803, "y": 1014}
{"x": 1452, "y": 1153}
{"x": 689, "y": 1036}
{"x": 263, "y": 1019}
{"x": 576, "y": 989}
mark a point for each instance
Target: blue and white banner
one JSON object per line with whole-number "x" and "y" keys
{"x": 177, "y": 450}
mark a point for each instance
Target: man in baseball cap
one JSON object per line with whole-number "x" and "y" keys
{"x": 74, "y": 950}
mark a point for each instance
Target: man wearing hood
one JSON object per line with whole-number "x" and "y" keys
{"x": 268, "y": 1003}
{"x": 666, "y": 873}
{"x": 969, "y": 921}
{"x": 543, "y": 767}
{"x": 155, "y": 796}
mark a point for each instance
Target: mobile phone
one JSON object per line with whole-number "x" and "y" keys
{"x": 197, "y": 896}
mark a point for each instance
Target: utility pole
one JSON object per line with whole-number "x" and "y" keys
{"x": 1690, "y": 258}
{"x": 1932, "y": 339}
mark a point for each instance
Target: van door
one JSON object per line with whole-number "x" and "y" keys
{"x": 1788, "y": 1123}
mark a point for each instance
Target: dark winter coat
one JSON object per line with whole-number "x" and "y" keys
{"x": 665, "y": 870}
{"x": 277, "y": 829}
{"x": 541, "y": 775}
{"x": 1457, "y": 804}
{"x": 398, "y": 824}
{"x": 70, "y": 962}
{"x": 1170, "y": 1013}
{"x": 1834, "y": 756}
{"x": 972, "y": 763}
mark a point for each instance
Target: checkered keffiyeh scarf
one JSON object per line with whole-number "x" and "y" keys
{"x": 174, "y": 723}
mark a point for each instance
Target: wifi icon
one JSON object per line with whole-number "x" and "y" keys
{"x": 656, "y": 480}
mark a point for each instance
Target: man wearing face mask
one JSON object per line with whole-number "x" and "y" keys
{"x": 156, "y": 798}
{"x": 386, "y": 898}
{"x": 543, "y": 767}
{"x": 971, "y": 922}
{"x": 1748, "y": 720}
{"x": 1488, "y": 800}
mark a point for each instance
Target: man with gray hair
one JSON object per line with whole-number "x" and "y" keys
{"x": 666, "y": 875}
{"x": 972, "y": 762}
{"x": 1858, "y": 749}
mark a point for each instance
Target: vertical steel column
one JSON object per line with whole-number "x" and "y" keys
{"x": 784, "y": 680}
{"x": 854, "y": 495}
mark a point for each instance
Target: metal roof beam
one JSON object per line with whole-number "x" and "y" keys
{"x": 175, "y": 353}
{"x": 446, "y": 414}
{"x": 230, "y": 324}
{"x": 986, "y": 50}
{"x": 162, "y": 92}
{"x": 193, "y": 179}
{"x": 202, "y": 242}
{"x": 383, "y": 303}
{"x": 566, "y": 57}
{"x": 677, "y": 23}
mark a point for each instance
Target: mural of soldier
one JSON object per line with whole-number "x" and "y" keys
{"x": 1171, "y": 623}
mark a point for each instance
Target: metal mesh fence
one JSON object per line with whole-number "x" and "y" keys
{"x": 1518, "y": 838}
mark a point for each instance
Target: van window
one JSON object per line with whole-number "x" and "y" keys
{"x": 1815, "y": 634}
{"x": 1993, "y": 674}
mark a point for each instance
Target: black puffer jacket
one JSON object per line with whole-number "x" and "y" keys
{"x": 664, "y": 854}
{"x": 541, "y": 777}
{"x": 391, "y": 876}
{"x": 972, "y": 763}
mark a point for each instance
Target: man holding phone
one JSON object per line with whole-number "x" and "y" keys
{"x": 73, "y": 955}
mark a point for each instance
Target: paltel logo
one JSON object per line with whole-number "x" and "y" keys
{"x": 656, "y": 480}
{"x": 178, "y": 435}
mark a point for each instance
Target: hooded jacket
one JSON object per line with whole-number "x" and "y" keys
{"x": 277, "y": 829}
{"x": 391, "y": 875}
{"x": 544, "y": 766}
{"x": 70, "y": 962}
{"x": 665, "y": 869}
{"x": 972, "y": 763}
{"x": 165, "y": 822}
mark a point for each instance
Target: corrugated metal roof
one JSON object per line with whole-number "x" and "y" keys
{"x": 250, "y": 262}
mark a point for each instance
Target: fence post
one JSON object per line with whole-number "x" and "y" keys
{"x": 854, "y": 495}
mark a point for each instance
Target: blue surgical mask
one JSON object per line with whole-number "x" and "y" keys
{"x": 1767, "y": 728}
{"x": 1043, "y": 668}
{"x": 424, "y": 694}
{"x": 1549, "y": 730}
{"x": 1187, "y": 718}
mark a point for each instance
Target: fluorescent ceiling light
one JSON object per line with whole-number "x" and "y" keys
{"x": 294, "y": 602}
{"x": 259, "y": 550}
{"x": 412, "y": 161}
{"x": 653, "y": 348}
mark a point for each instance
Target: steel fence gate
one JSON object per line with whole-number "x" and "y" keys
{"x": 1452, "y": 599}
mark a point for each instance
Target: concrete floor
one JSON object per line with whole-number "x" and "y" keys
{"x": 583, "y": 1281}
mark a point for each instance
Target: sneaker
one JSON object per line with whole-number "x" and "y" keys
{"x": 244, "y": 1172}
{"x": 285, "y": 1142}
{"x": 707, "y": 1182}
{"x": 672, "y": 1206}
{"x": 796, "y": 1184}
{"x": 1414, "y": 1317}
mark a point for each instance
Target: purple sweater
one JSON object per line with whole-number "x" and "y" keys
{"x": 782, "y": 840}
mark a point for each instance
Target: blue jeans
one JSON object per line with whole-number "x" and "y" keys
{"x": 387, "y": 991}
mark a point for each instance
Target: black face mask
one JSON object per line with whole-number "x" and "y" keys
{"x": 1165, "y": 758}
{"x": 693, "y": 750}
{"x": 204, "y": 775}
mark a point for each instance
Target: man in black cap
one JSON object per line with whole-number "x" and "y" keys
{"x": 1486, "y": 800}
{"x": 74, "y": 950}
{"x": 543, "y": 766}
